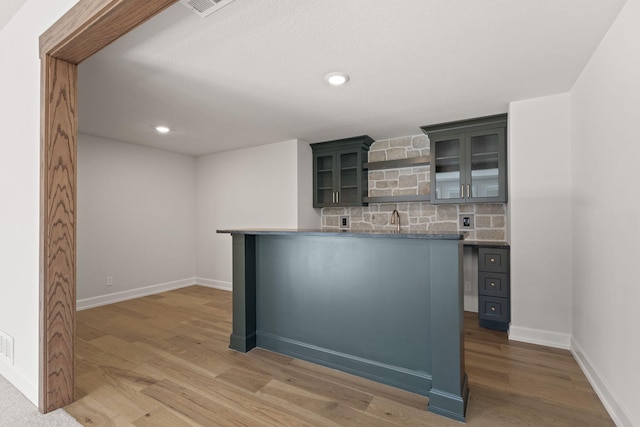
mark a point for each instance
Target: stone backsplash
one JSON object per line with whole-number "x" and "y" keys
{"x": 407, "y": 181}
{"x": 488, "y": 220}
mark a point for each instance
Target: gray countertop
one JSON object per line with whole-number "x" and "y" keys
{"x": 350, "y": 233}
{"x": 311, "y": 232}
{"x": 386, "y": 234}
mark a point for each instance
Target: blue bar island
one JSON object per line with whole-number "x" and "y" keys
{"x": 388, "y": 307}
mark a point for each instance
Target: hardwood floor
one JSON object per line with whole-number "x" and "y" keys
{"x": 163, "y": 360}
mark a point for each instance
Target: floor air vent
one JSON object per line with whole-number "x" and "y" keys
{"x": 205, "y": 8}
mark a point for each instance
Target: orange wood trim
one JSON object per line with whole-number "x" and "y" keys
{"x": 91, "y": 25}
{"x": 88, "y": 27}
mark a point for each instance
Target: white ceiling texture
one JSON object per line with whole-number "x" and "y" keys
{"x": 252, "y": 73}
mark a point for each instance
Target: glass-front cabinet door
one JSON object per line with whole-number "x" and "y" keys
{"x": 447, "y": 161}
{"x": 324, "y": 194}
{"x": 339, "y": 176}
{"x": 349, "y": 190}
{"x": 469, "y": 160}
{"x": 486, "y": 158}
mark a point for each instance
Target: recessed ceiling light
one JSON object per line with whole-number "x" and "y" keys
{"x": 162, "y": 129}
{"x": 337, "y": 78}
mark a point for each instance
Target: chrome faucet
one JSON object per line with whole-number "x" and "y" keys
{"x": 395, "y": 219}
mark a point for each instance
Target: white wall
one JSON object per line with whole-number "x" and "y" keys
{"x": 136, "y": 220}
{"x": 539, "y": 153}
{"x": 308, "y": 217}
{"x": 605, "y": 104}
{"x": 251, "y": 188}
{"x": 470, "y": 274}
{"x": 7, "y": 9}
{"x": 19, "y": 186}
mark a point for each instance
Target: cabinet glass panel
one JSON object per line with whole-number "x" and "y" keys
{"x": 484, "y": 165}
{"x": 349, "y": 177}
{"x": 447, "y": 166}
{"x": 324, "y": 179}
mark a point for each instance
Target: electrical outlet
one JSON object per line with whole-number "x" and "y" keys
{"x": 344, "y": 222}
{"x": 109, "y": 280}
{"x": 466, "y": 222}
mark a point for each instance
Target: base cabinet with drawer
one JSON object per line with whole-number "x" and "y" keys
{"x": 494, "y": 305}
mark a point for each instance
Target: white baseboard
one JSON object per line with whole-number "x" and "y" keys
{"x": 216, "y": 284}
{"x": 86, "y": 303}
{"x": 92, "y": 302}
{"x": 23, "y": 385}
{"x": 471, "y": 303}
{"x": 608, "y": 398}
{"x": 540, "y": 337}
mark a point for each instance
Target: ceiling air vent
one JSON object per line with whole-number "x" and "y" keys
{"x": 205, "y": 8}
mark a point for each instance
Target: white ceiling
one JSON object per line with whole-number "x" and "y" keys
{"x": 252, "y": 73}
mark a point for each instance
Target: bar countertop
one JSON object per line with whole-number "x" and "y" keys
{"x": 350, "y": 233}
{"x": 346, "y": 233}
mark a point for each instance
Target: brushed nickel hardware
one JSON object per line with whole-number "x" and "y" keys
{"x": 333, "y": 197}
{"x": 468, "y": 192}
{"x": 462, "y": 191}
{"x": 493, "y": 308}
{"x": 492, "y": 259}
{"x": 493, "y": 285}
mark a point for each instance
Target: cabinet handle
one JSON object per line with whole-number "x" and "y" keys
{"x": 493, "y": 285}
{"x": 337, "y": 197}
{"x": 462, "y": 191}
{"x": 492, "y": 259}
{"x": 333, "y": 197}
{"x": 468, "y": 192}
{"x": 493, "y": 308}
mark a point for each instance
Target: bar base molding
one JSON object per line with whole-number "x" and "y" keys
{"x": 242, "y": 343}
{"x": 406, "y": 379}
{"x": 450, "y": 405}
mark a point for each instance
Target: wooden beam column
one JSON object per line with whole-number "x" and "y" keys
{"x": 86, "y": 28}
{"x": 58, "y": 232}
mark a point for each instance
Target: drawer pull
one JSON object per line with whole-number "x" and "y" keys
{"x": 492, "y": 259}
{"x": 493, "y": 308}
{"x": 493, "y": 285}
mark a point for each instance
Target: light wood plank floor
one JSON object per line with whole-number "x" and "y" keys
{"x": 163, "y": 360}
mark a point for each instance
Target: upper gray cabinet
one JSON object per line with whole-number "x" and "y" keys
{"x": 339, "y": 178}
{"x": 469, "y": 160}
